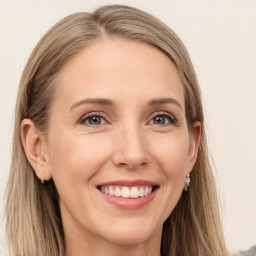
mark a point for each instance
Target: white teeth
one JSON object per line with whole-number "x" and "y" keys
{"x": 111, "y": 191}
{"x": 127, "y": 192}
{"x": 146, "y": 191}
{"x": 134, "y": 192}
{"x": 142, "y": 193}
{"x": 118, "y": 192}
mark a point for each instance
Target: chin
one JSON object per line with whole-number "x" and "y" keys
{"x": 132, "y": 233}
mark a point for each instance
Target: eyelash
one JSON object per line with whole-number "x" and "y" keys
{"x": 172, "y": 119}
{"x": 90, "y": 115}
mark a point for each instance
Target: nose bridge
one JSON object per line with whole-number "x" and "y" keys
{"x": 130, "y": 146}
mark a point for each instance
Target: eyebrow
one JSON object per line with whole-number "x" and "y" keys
{"x": 95, "y": 101}
{"x": 108, "y": 102}
{"x": 162, "y": 101}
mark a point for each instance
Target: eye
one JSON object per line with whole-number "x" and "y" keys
{"x": 93, "y": 120}
{"x": 163, "y": 119}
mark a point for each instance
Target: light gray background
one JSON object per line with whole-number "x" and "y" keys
{"x": 221, "y": 38}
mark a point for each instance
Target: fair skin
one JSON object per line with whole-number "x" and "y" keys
{"x": 135, "y": 137}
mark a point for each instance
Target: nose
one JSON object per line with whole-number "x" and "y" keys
{"x": 130, "y": 149}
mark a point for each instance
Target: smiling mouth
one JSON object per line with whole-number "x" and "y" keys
{"x": 127, "y": 191}
{"x": 129, "y": 194}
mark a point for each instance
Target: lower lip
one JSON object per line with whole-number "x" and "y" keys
{"x": 130, "y": 203}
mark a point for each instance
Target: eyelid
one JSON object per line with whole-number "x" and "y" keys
{"x": 104, "y": 116}
{"x": 164, "y": 113}
{"x": 91, "y": 114}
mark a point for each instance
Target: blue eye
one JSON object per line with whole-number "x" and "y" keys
{"x": 93, "y": 120}
{"x": 163, "y": 119}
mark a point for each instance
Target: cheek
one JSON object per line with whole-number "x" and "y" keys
{"x": 172, "y": 153}
{"x": 75, "y": 159}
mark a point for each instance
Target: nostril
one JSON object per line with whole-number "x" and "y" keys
{"x": 131, "y": 164}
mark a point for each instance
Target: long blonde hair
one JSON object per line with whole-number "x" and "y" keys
{"x": 33, "y": 219}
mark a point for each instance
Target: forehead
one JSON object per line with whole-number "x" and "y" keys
{"x": 119, "y": 68}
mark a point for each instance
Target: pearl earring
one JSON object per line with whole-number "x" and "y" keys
{"x": 187, "y": 182}
{"x": 42, "y": 179}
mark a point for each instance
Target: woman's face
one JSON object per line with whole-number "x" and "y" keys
{"x": 118, "y": 145}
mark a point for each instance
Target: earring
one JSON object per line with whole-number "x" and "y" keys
{"x": 187, "y": 182}
{"x": 42, "y": 179}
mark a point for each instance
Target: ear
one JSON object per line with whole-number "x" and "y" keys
{"x": 34, "y": 145}
{"x": 195, "y": 136}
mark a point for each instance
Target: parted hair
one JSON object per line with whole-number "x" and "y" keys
{"x": 33, "y": 218}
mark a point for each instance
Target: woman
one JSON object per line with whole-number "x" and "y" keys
{"x": 109, "y": 132}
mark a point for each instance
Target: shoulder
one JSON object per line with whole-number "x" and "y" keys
{"x": 250, "y": 252}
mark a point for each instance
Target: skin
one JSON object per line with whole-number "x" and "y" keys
{"x": 128, "y": 143}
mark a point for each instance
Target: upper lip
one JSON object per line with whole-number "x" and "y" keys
{"x": 128, "y": 183}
